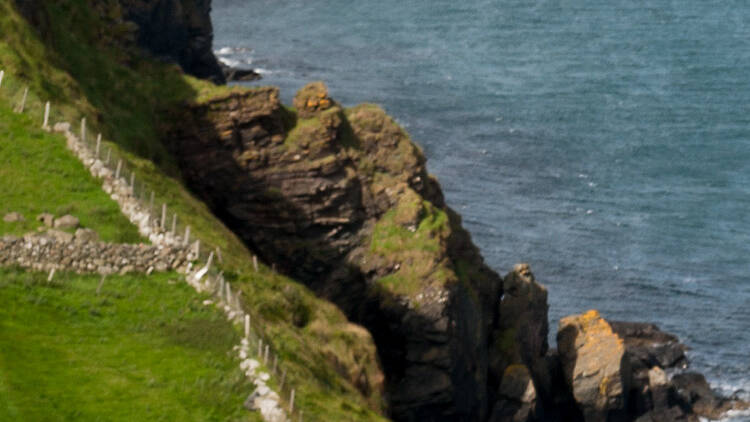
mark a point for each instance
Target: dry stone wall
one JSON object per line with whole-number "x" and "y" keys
{"x": 48, "y": 251}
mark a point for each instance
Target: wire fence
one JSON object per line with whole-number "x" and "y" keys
{"x": 204, "y": 271}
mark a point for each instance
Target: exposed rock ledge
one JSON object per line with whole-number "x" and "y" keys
{"x": 341, "y": 200}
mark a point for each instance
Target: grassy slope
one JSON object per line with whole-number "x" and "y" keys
{"x": 71, "y": 65}
{"x": 40, "y": 175}
{"x": 143, "y": 349}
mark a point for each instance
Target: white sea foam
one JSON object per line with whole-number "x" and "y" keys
{"x": 224, "y": 51}
{"x": 230, "y": 62}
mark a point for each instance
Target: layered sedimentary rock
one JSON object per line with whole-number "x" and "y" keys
{"x": 340, "y": 199}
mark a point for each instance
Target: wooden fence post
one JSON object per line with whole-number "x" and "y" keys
{"x": 255, "y": 263}
{"x": 51, "y": 275}
{"x": 218, "y": 255}
{"x": 210, "y": 260}
{"x": 101, "y": 283}
{"x": 45, "y": 124}
{"x": 22, "y": 106}
{"x": 283, "y": 378}
{"x": 186, "y": 240}
{"x": 132, "y": 181}
{"x": 83, "y": 130}
{"x": 260, "y": 348}
{"x": 174, "y": 224}
{"x": 109, "y": 155}
{"x": 247, "y": 326}
{"x": 291, "y": 402}
{"x": 98, "y": 145}
{"x": 162, "y": 223}
{"x": 2, "y": 74}
{"x": 265, "y": 356}
{"x": 117, "y": 170}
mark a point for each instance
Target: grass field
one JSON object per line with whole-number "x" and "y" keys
{"x": 74, "y": 63}
{"x": 39, "y": 175}
{"x": 145, "y": 348}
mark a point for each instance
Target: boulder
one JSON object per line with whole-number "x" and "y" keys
{"x": 46, "y": 218}
{"x": 86, "y": 235}
{"x": 648, "y": 346}
{"x": 312, "y": 99}
{"x": 60, "y": 236}
{"x": 234, "y": 74}
{"x": 517, "y": 400}
{"x": 692, "y": 391}
{"x": 67, "y": 222}
{"x": 521, "y": 334}
{"x": 672, "y": 414}
{"x": 594, "y": 365}
{"x": 13, "y": 217}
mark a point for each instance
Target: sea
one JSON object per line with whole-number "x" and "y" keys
{"x": 606, "y": 143}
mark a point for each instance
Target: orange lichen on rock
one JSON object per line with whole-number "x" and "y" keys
{"x": 592, "y": 358}
{"x": 312, "y": 99}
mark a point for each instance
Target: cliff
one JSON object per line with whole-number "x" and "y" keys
{"x": 340, "y": 200}
{"x": 176, "y": 30}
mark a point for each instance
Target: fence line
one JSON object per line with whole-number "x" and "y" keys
{"x": 208, "y": 278}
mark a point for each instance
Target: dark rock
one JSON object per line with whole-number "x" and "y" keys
{"x": 234, "y": 74}
{"x": 693, "y": 392}
{"x": 178, "y": 30}
{"x": 517, "y": 399}
{"x": 671, "y": 414}
{"x": 521, "y": 335}
{"x": 308, "y": 190}
{"x": 649, "y": 346}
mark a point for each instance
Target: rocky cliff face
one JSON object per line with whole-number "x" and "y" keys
{"x": 340, "y": 199}
{"x": 177, "y": 30}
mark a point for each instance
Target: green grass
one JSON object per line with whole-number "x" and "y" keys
{"x": 412, "y": 236}
{"x": 145, "y": 348}
{"x": 77, "y": 65}
{"x": 40, "y": 175}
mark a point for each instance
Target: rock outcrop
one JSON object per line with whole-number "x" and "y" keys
{"x": 341, "y": 199}
{"x": 176, "y": 30}
{"x": 618, "y": 371}
{"x": 594, "y": 365}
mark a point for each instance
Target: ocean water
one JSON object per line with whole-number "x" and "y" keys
{"x": 605, "y": 143}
